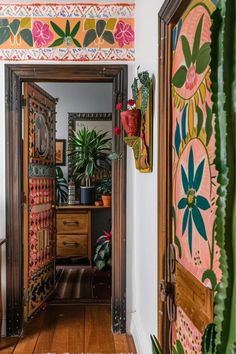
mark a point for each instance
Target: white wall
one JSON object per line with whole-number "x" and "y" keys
{"x": 142, "y": 225}
{"x": 77, "y": 97}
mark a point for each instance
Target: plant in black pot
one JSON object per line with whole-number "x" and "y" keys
{"x": 61, "y": 187}
{"x": 105, "y": 189}
{"x": 102, "y": 257}
{"x": 90, "y": 150}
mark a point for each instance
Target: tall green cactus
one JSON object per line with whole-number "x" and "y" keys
{"x": 222, "y": 76}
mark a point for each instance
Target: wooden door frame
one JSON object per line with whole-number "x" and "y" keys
{"x": 169, "y": 15}
{"x": 15, "y": 75}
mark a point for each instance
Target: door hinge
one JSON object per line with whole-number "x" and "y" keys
{"x": 23, "y": 101}
{"x": 167, "y": 287}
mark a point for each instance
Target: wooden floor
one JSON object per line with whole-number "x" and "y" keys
{"x": 71, "y": 329}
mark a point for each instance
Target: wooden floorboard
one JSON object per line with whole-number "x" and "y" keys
{"x": 72, "y": 329}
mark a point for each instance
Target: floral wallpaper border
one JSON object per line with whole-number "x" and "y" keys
{"x": 67, "y": 32}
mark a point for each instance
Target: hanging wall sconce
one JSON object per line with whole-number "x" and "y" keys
{"x": 136, "y": 118}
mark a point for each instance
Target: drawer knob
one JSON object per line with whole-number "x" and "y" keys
{"x": 70, "y": 244}
{"x": 71, "y": 222}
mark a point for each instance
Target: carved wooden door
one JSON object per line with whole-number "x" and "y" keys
{"x": 39, "y": 197}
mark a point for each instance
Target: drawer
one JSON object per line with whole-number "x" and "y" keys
{"x": 72, "y": 245}
{"x": 77, "y": 223}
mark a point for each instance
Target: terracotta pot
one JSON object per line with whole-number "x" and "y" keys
{"x": 131, "y": 121}
{"x": 106, "y": 199}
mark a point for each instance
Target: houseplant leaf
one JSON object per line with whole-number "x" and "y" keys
{"x": 100, "y": 26}
{"x": 180, "y": 77}
{"x": 186, "y": 51}
{"x": 197, "y": 38}
{"x": 108, "y": 37}
{"x": 26, "y": 35}
{"x": 57, "y": 29}
{"x": 5, "y": 34}
{"x": 89, "y": 37}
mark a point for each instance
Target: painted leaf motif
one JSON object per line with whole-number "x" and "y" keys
{"x": 199, "y": 223}
{"x": 100, "y": 26}
{"x": 57, "y": 42}
{"x": 208, "y": 123}
{"x": 190, "y": 232}
{"x": 57, "y": 29}
{"x": 67, "y": 28}
{"x": 185, "y": 182}
{"x": 198, "y": 176}
{"x": 190, "y": 168}
{"x": 89, "y": 37}
{"x": 182, "y": 203}
{"x": 4, "y": 22}
{"x": 108, "y": 37}
{"x": 26, "y": 35}
{"x": 185, "y": 220}
{"x": 180, "y": 77}
{"x": 179, "y": 347}
{"x": 202, "y": 203}
{"x": 199, "y": 119}
{"x": 186, "y": 51}
{"x": 4, "y": 34}
{"x": 183, "y": 122}
{"x": 197, "y": 38}
{"x": 25, "y": 22}
{"x": 89, "y": 23}
{"x": 75, "y": 29}
{"x": 177, "y": 138}
{"x": 111, "y": 24}
{"x": 77, "y": 43}
{"x": 14, "y": 26}
{"x": 210, "y": 275}
{"x": 203, "y": 58}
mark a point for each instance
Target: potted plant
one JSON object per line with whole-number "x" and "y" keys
{"x": 61, "y": 187}
{"x": 90, "y": 151}
{"x": 105, "y": 189}
{"x": 102, "y": 257}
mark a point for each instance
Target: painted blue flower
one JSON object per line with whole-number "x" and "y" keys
{"x": 193, "y": 202}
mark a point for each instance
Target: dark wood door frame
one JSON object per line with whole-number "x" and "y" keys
{"x": 14, "y": 76}
{"x": 169, "y": 15}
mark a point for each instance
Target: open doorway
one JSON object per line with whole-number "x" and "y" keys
{"x": 66, "y": 261}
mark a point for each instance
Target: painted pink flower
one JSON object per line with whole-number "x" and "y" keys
{"x": 41, "y": 34}
{"x": 191, "y": 78}
{"x": 124, "y": 33}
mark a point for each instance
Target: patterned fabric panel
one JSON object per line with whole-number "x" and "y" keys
{"x": 41, "y": 222}
{"x": 40, "y": 286}
{"x": 85, "y": 32}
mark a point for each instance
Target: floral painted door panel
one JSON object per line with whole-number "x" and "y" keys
{"x": 39, "y": 191}
{"x": 194, "y": 174}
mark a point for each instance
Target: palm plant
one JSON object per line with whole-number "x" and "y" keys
{"x": 61, "y": 186}
{"x": 90, "y": 151}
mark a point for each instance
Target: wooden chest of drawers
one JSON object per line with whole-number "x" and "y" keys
{"x": 74, "y": 233}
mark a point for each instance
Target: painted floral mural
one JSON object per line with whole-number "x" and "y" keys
{"x": 193, "y": 155}
{"x": 67, "y": 32}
